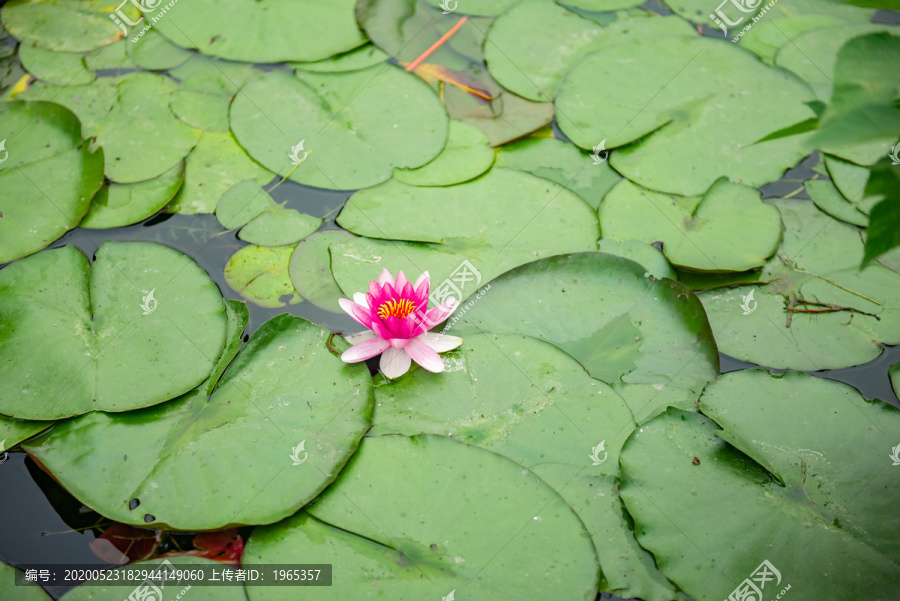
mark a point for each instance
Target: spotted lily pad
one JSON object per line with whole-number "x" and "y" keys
{"x": 487, "y": 528}
{"x": 297, "y": 438}
{"x": 697, "y": 232}
{"x": 649, "y": 339}
{"x": 108, "y": 109}
{"x": 81, "y": 335}
{"x": 42, "y": 139}
{"x": 357, "y": 126}
{"x": 714, "y": 502}
{"x": 261, "y": 32}
{"x": 260, "y": 274}
{"x": 529, "y": 401}
{"x": 66, "y": 25}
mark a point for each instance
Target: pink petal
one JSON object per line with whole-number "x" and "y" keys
{"x": 442, "y": 311}
{"x": 424, "y": 355}
{"x": 365, "y": 350}
{"x": 357, "y": 312}
{"x": 381, "y": 331}
{"x": 401, "y": 282}
{"x": 394, "y": 363}
{"x": 360, "y": 337}
{"x": 421, "y": 290}
{"x": 385, "y": 277}
{"x": 399, "y": 342}
{"x": 422, "y": 278}
{"x": 441, "y": 343}
{"x": 361, "y": 299}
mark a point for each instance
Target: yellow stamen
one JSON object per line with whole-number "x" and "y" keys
{"x": 396, "y": 308}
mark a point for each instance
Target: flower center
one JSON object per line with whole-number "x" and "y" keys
{"x": 396, "y": 308}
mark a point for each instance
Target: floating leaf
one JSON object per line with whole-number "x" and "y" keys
{"x": 81, "y": 336}
{"x": 697, "y": 232}
{"x": 360, "y": 124}
{"x": 258, "y": 406}
{"x": 310, "y": 269}
{"x": 40, "y": 139}
{"x": 487, "y": 527}
{"x": 108, "y": 109}
{"x": 359, "y": 58}
{"x": 29, "y": 592}
{"x": 238, "y": 315}
{"x": 55, "y": 68}
{"x": 465, "y": 157}
{"x": 66, "y": 25}
{"x": 118, "y": 205}
{"x": 647, "y": 338}
{"x": 260, "y": 274}
{"x": 529, "y": 401}
{"x": 711, "y": 515}
{"x": 154, "y": 52}
{"x": 14, "y": 431}
{"x": 268, "y": 32}
{"x": 830, "y": 200}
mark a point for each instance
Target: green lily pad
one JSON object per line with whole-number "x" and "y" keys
{"x": 717, "y": 103}
{"x": 647, "y": 338}
{"x": 352, "y": 60}
{"x": 55, "y": 68}
{"x": 602, "y": 5}
{"x": 206, "y": 89}
{"x": 66, "y": 25}
{"x": 265, "y": 222}
{"x": 118, "y": 205}
{"x": 202, "y": 110}
{"x": 270, "y": 32}
{"x": 216, "y": 164}
{"x": 698, "y": 232}
{"x": 48, "y": 176}
{"x": 466, "y": 156}
{"x": 30, "y": 592}
{"x": 653, "y": 260}
{"x": 14, "y": 431}
{"x": 850, "y": 179}
{"x": 238, "y": 315}
{"x": 492, "y": 212}
{"x": 258, "y": 406}
{"x": 850, "y": 313}
{"x": 154, "y": 52}
{"x": 81, "y": 335}
{"x": 360, "y": 124}
{"x": 829, "y": 199}
{"x": 510, "y": 536}
{"x": 563, "y": 163}
{"x": 711, "y": 515}
{"x": 260, "y": 274}
{"x": 519, "y": 117}
{"x": 172, "y": 590}
{"x": 531, "y": 46}
{"x": 108, "y": 110}
{"x": 114, "y": 56}
{"x": 541, "y": 409}
{"x": 310, "y": 269}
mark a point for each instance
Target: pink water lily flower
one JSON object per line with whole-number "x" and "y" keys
{"x": 397, "y": 317}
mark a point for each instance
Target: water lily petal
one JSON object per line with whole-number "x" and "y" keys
{"x": 421, "y": 290}
{"x": 394, "y": 363}
{"x": 441, "y": 312}
{"x": 401, "y": 282}
{"x": 399, "y": 342}
{"x": 385, "y": 277}
{"x": 441, "y": 343}
{"x": 380, "y": 330}
{"x": 364, "y": 350}
{"x": 357, "y": 312}
{"x": 360, "y": 337}
{"x": 424, "y": 355}
{"x": 361, "y": 299}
